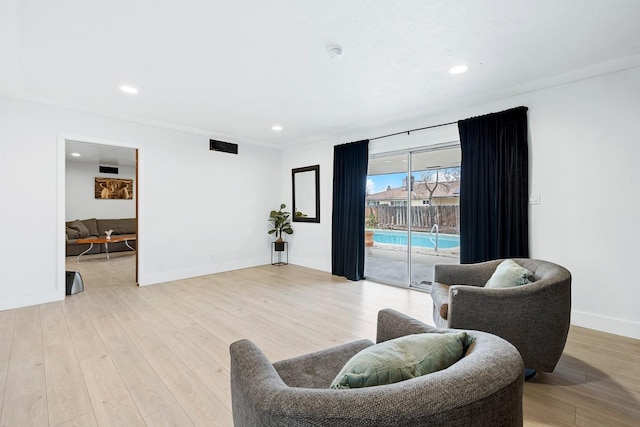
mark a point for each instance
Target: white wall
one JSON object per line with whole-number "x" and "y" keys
{"x": 584, "y": 144}
{"x": 200, "y": 211}
{"x": 80, "y": 193}
{"x": 310, "y": 243}
{"x": 204, "y": 212}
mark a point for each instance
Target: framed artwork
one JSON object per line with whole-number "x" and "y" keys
{"x": 114, "y": 188}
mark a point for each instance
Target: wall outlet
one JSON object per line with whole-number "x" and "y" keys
{"x": 534, "y": 198}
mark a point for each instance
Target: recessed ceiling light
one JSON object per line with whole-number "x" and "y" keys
{"x": 129, "y": 89}
{"x": 458, "y": 69}
{"x": 277, "y": 128}
{"x": 75, "y": 154}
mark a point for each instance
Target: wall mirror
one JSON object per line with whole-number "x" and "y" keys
{"x": 306, "y": 194}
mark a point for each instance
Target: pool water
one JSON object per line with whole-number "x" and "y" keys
{"x": 418, "y": 239}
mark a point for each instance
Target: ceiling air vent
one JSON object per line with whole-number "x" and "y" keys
{"x": 225, "y": 147}
{"x": 108, "y": 169}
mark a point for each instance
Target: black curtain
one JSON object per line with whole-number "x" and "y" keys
{"x": 349, "y": 192}
{"x": 494, "y": 186}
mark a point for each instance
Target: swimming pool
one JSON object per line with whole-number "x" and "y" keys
{"x": 418, "y": 239}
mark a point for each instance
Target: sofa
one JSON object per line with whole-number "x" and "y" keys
{"x": 534, "y": 317}
{"x": 92, "y": 227}
{"x": 484, "y": 388}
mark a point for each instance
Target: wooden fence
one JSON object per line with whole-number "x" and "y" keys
{"x": 422, "y": 217}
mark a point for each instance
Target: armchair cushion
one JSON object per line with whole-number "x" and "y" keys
{"x": 401, "y": 359}
{"x": 508, "y": 274}
{"x": 318, "y": 369}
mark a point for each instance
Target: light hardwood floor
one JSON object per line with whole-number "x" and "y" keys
{"x": 117, "y": 354}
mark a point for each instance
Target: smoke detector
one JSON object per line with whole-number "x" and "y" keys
{"x": 335, "y": 51}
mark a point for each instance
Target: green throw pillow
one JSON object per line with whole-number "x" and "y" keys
{"x": 401, "y": 359}
{"x": 508, "y": 274}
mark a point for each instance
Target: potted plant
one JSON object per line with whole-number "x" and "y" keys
{"x": 281, "y": 224}
{"x": 371, "y": 222}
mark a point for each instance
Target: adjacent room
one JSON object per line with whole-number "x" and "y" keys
{"x": 100, "y": 206}
{"x": 225, "y": 214}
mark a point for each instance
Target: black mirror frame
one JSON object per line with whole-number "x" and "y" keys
{"x": 308, "y": 218}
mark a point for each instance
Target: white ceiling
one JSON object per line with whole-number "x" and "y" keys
{"x": 104, "y": 155}
{"x": 232, "y": 69}
{"x": 447, "y": 156}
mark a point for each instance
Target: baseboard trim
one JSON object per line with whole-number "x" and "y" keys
{"x": 607, "y": 324}
{"x": 19, "y": 301}
{"x": 187, "y": 273}
{"x": 310, "y": 263}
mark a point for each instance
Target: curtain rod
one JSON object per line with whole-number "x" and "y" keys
{"x": 412, "y": 130}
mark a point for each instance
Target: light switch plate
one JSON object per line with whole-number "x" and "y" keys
{"x": 534, "y": 198}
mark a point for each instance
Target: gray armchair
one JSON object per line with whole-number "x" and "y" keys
{"x": 483, "y": 388}
{"x": 534, "y": 317}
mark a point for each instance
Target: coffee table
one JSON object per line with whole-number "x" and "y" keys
{"x": 106, "y": 240}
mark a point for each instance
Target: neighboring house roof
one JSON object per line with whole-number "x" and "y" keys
{"x": 444, "y": 189}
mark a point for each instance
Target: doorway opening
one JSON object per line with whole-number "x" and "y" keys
{"x": 100, "y": 189}
{"x": 412, "y": 215}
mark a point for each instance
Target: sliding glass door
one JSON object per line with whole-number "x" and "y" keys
{"x": 386, "y": 232}
{"x": 412, "y": 215}
{"x": 435, "y": 213}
